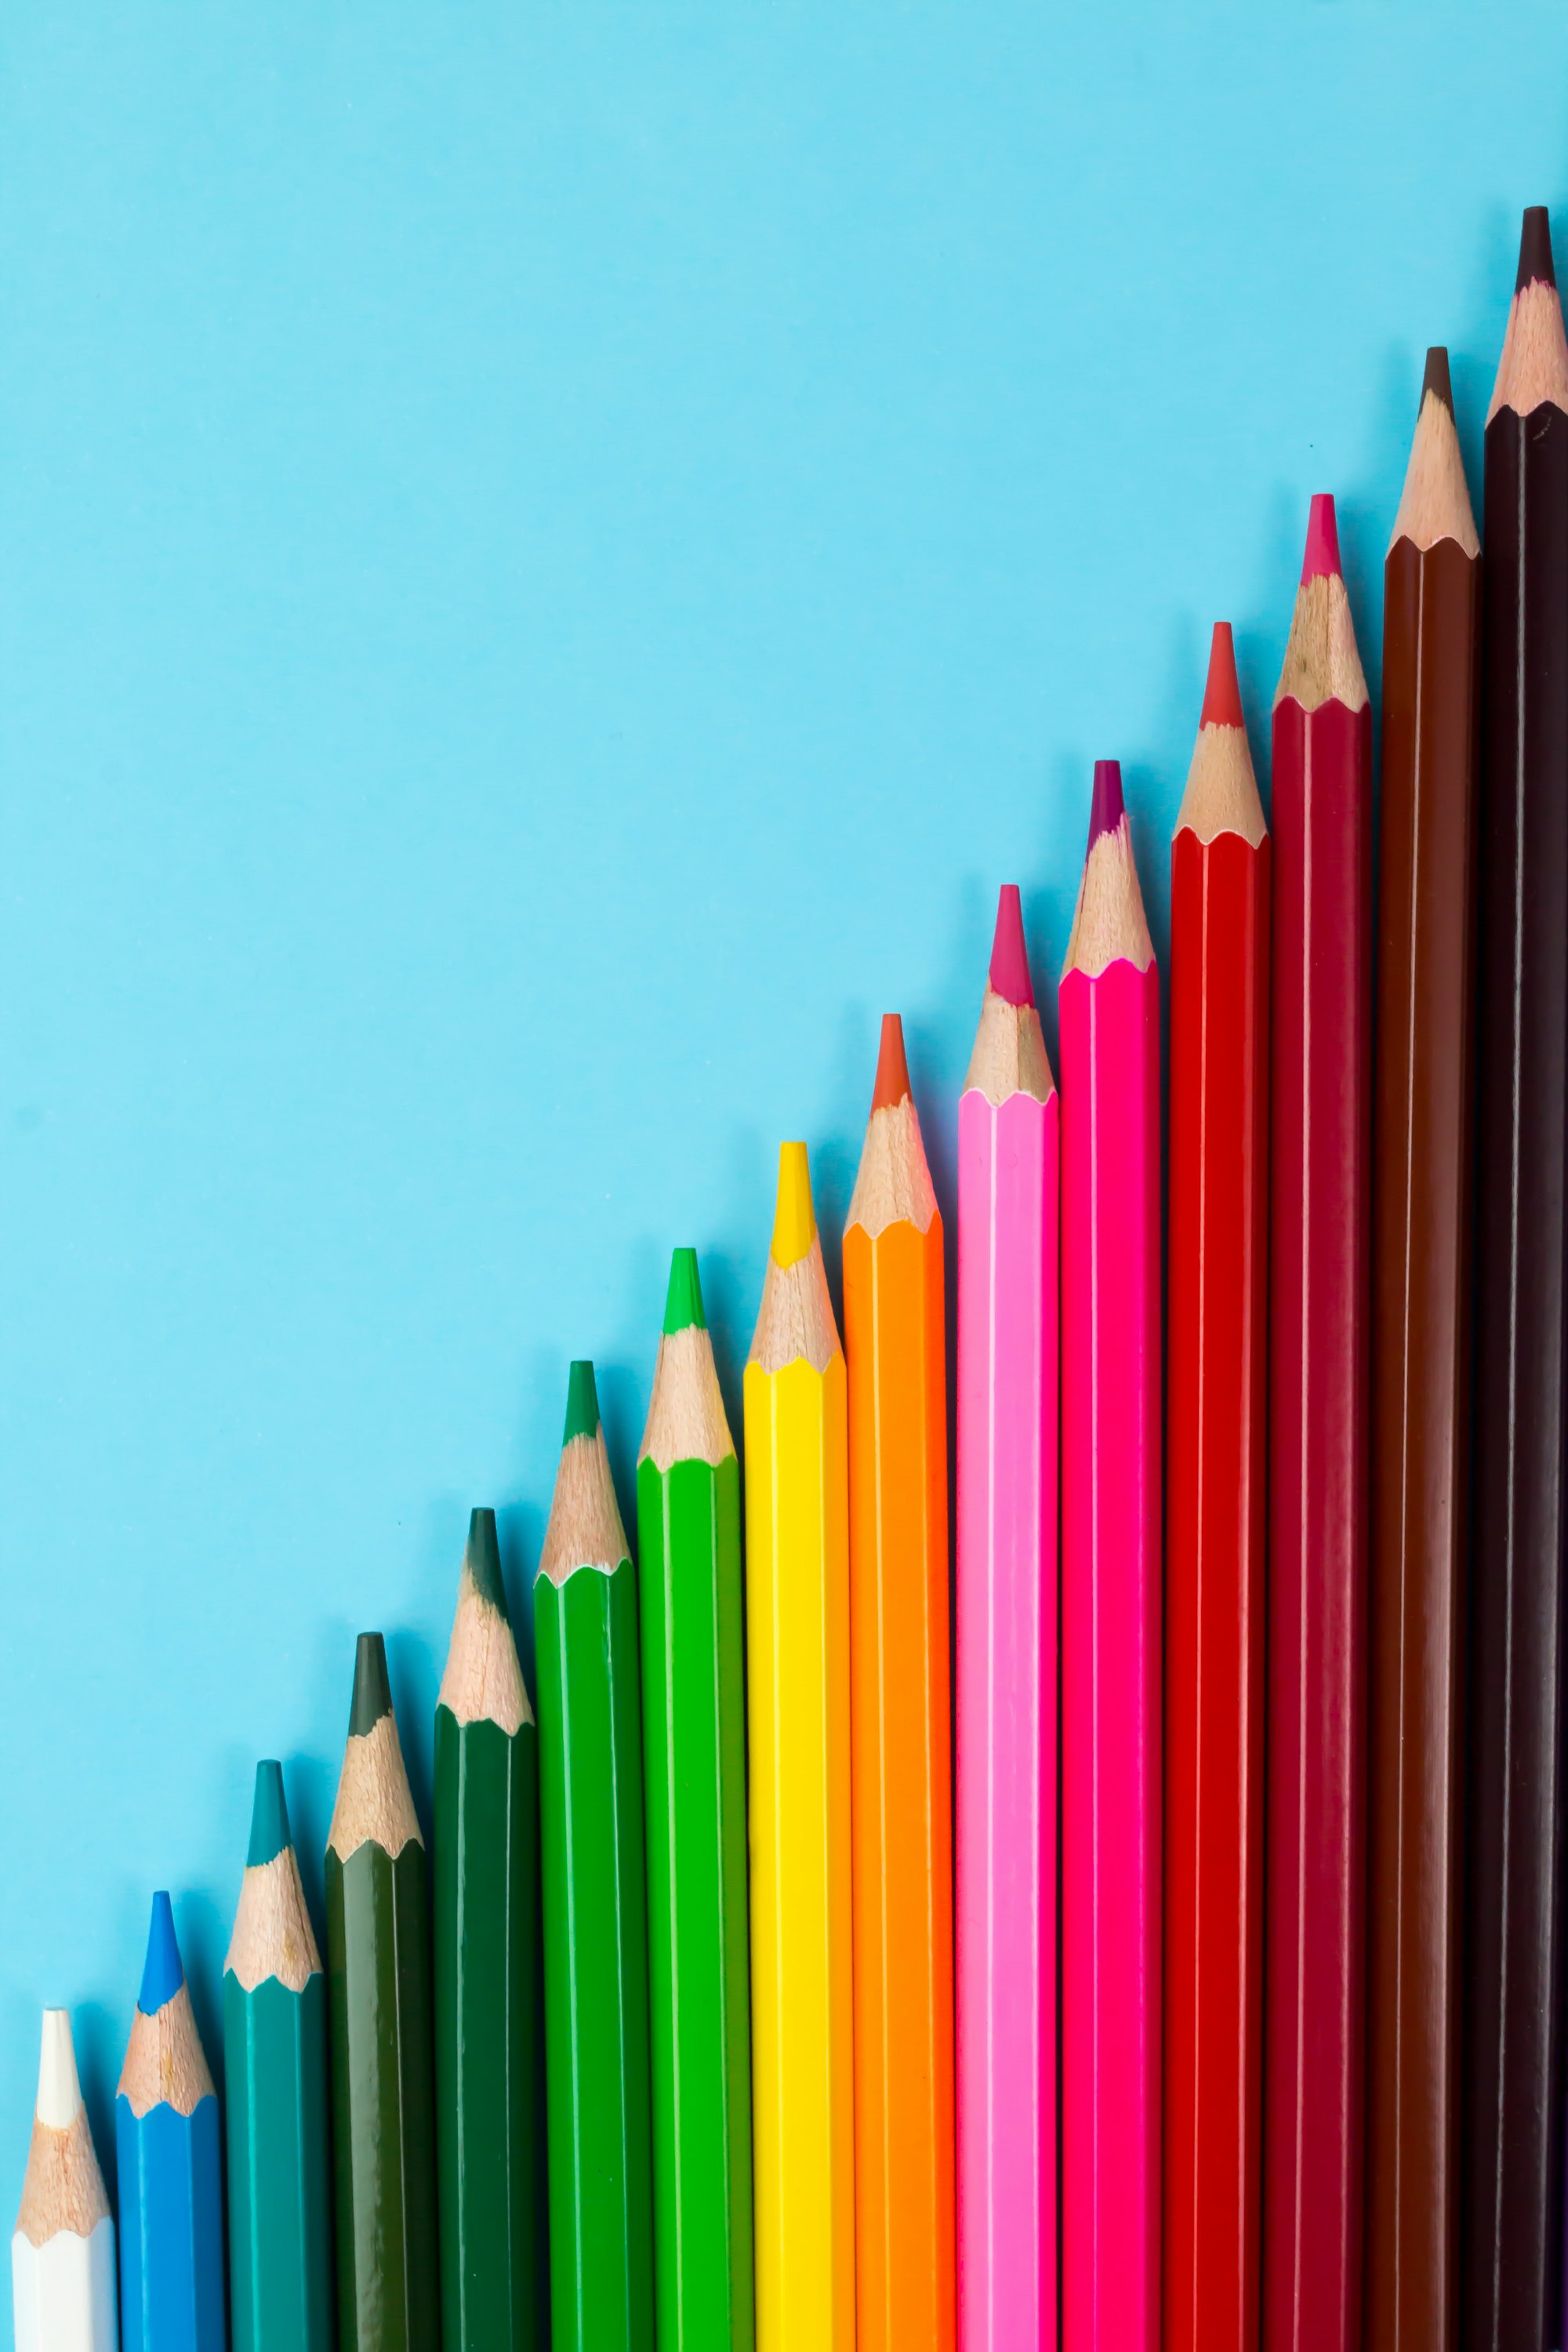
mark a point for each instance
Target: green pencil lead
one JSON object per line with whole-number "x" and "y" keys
{"x": 683, "y": 1300}
{"x": 372, "y": 1692}
{"x": 582, "y": 1403}
{"x": 268, "y": 1817}
{"x": 482, "y": 1560}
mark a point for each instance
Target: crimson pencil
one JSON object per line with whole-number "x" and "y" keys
{"x": 1320, "y": 1171}
{"x": 1216, "y": 1525}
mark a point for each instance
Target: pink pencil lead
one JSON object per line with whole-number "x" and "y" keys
{"x": 1107, "y": 808}
{"x": 1009, "y": 957}
{"x": 1323, "y": 557}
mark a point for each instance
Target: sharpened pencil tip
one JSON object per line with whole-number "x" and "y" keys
{"x": 481, "y": 1558}
{"x": 1009, "y": 957}
{"x": 1222, "y": 689}
{"x": 1107, "y": 807}
{"x": 581, "y": 1401}
{"x": 1436, "y": 380}
{"x": 59, "y": 2089}
{"x": 163, "y": 1973}
{"x": 1535, "y": 250}
{"x": 372, "y": 1692}
{"x": 268, "y": 1816}
{"x": 892, "y": 1066}
{"x": 683, "y": 1299}
{"x": 1321, "y": 560}
{"x": 794, "y": 1219}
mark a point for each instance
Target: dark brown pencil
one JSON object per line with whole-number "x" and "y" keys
{"x": 1510, "y": 2225}
{"x": 1421, "y": 1165}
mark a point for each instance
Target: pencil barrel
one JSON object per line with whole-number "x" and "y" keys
{"x": 489, "y": 2037}
{"x": 279, "y": 2186}
{"x": 384, "y": 2124}
{"x": 170, "y": 2229}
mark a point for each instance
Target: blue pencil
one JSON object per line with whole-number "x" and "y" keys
{"x": 167, "y": 2138}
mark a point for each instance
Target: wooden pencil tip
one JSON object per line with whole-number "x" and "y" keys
{"x": 892, "y": 1069}
{"x": 1535, "y": 250}
{"x": 795, "y": 1220}
{"x": 162, "y": 1974}
{"x": 1009, "y": 957}
{"x": 1321, "y": 560}
{"x": 1107, "y": 807}
{"x": 1222, "y": 689}
{"x": 372, "y": 1691}
{"x": 1436, "y": 380}
{"x": 683, "y": 1299}
{"x": 582, "y": 1403}
{"x": 268, "y": 1816}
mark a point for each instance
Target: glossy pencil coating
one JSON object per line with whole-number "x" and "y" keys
{"x": 62, "y": 2251}
{"x": 1511, "y": 2192}
{"x": 595, "y": 1904}
{"x": 489, "y": 1977}
{"x": 694, "y": 1750}
{"x": 1006, "y": 1681}
{"x": 378, "y": 1974}
{"x": 900, "y": 1776}
{"x": 797, "y": 1664}
{"x": 1420, "y": 1389}
{"x": 1215, "y": 1530}
{"x": 1109, "y": 1014}
{"x": 166, "y": 2143}
{"x": 275, "y": 2099}
{"x": 1320, "y": 1171}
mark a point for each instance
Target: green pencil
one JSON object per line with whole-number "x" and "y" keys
{"x": 275, "y": 2067}
{"x": 378, "y": 1963}
{"x": 489, "y": 2047}
{"x": 595, "y": 1909}
{"x": 694, "y": 1746}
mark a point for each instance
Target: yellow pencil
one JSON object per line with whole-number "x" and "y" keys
{"x": 797, "y": 1591}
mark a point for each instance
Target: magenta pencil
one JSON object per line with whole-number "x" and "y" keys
{"x": 1109, "y": 1014}
{"x": 1007, "y": 1668}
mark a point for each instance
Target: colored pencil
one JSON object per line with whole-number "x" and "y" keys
{"x": 275, "y": 2099}
{"x": 694, "y": 1748}
{"x": 901, "y": 1772}
{"x": 62, "y": 2255}
{"x": 378, "y": 1976}
{"x": 489, "y": 1977}
{"x": 595, "y": 1904}
{"x": 1216, "y": 1528}
{"x": 797, "y": 1613}
{"x": 1511, "y": 2182}
{"x": 1109, "y": 1013}
{"x": 1420, "y": 1387}
{"x": 166, "y": 2148}
{"x": 1320, "y": 1167}
{"x": 1005, "y": 1685}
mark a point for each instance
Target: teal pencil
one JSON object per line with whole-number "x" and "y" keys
{"x": 275, "y": 2065}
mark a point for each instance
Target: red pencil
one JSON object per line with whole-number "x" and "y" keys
{"x": 1319, "y": 1184}
{"x": 1216, "y": 1339}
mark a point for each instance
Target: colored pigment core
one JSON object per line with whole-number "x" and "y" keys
{"x": 482, "y": 1559}
{"x": 1321, "y": 560}
{"x": 372, "y": 1692}
{"x": 1009, "y": 958}
{"x": 795, "y": 1222}
{"x": 683, "y": 1299}
{"x": 268, "y": 1816}
{"x": 1222, "y": 693}
{"x": 1535, "y": 250}
{"x": 893, "y": 1068}
{"x": 1107, "y": 808}
{"x": 582, "y": 1403}
{"x": 163, "y": 1975}
{"x": 1436, "y": 380}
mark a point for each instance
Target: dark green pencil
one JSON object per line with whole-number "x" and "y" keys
{"x": 489, "y": 2053}
{"x": 378, "y": 1963}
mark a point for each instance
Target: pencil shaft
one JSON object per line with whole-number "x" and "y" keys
{"x": 63, "y": 2296}
{"x": 1420, "y": 1450}
{"x": 280, "y": 2186}
{"x": 1110, "y": 1659}
{"x": 799, "y": 1692}
{"x": 902, "y": 1808}
{"x": 1215, "y": 1530}
{"x": 383, "y": 2123}
{"x": 688, "y": 1543}
{"x": 596, "y": 1961}
{"x": 1320, "y": 1166}
{"x": 1512, "y": 2195}
{"x": 170, "y": 2229}
{"x": 490, "y": 2037}
{"x": 1008, "y": 1162}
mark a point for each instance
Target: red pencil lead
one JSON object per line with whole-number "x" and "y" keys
{"x": 1323, "y": 557}
{"x": 892, "y": 1069}
{"x": 1222, "y": 693}
{"x": 1009, "y": 957}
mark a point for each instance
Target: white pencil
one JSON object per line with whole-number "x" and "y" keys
{"x": 62, "y": 2255}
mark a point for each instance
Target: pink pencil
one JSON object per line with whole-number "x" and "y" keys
{"x": 1006, "y": 1672}
{"x": 1109, "y": 1009}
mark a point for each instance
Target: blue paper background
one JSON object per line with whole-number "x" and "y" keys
{"x": 551, "y": 559}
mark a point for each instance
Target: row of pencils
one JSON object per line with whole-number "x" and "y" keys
{"x": 1204, "y": 1980}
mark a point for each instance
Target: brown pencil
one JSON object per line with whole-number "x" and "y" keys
{"x": 1421, "y": 1168}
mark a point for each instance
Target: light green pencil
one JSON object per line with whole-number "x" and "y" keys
{"x": 274, "y": 2064}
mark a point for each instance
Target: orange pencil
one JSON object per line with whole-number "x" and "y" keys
{"x": 902, "y": 1834}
